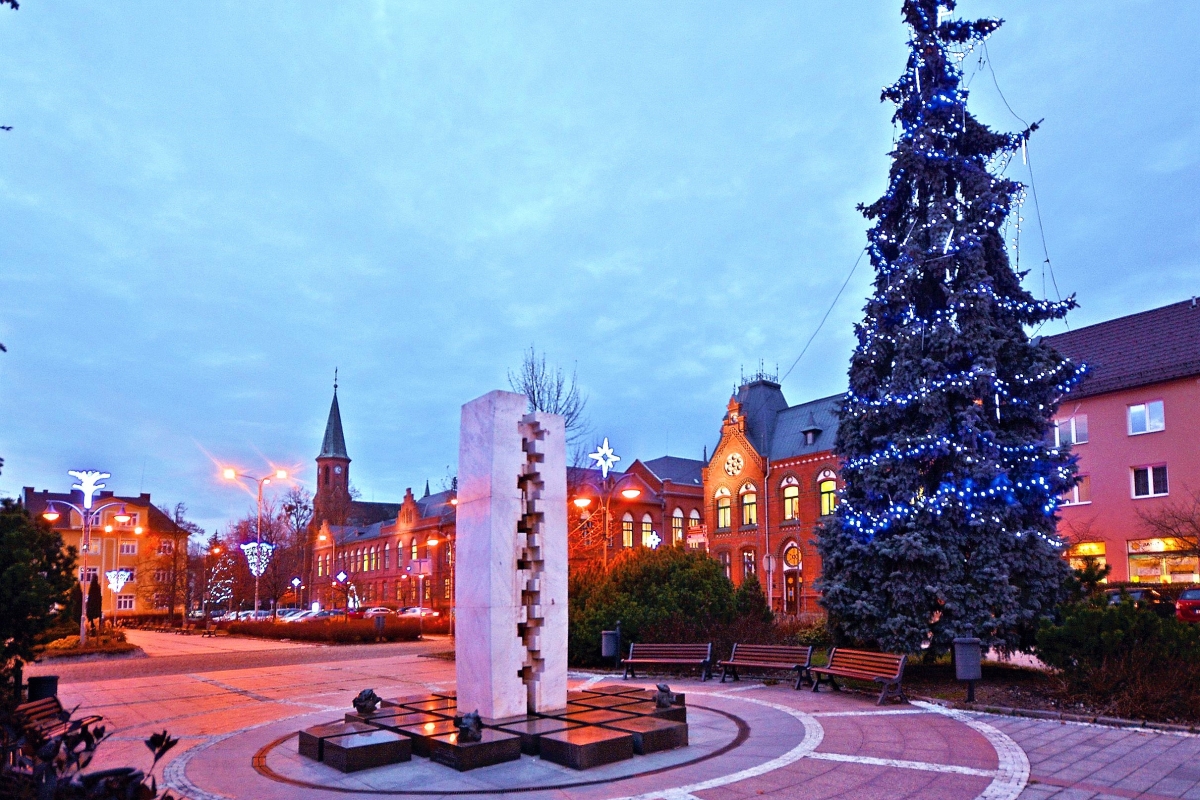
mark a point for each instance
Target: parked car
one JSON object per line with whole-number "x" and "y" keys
{"x": 1146, "y": 598}
{"x": 299, "y": 616}
{"x": 377, "y": 611}
{"x": 1187, "y": 607}
{"x": 418, "y": 611}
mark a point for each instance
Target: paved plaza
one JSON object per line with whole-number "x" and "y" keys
{"x": 235, "y": 707}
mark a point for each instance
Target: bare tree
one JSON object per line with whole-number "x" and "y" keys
{"x": 163, "y": 573}
{"x": 549, "y": 389}
{"x": 1178, "y": 520}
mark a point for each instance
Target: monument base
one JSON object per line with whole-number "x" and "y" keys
{"x": 495, "y": 747}
{"x": 357, "y": 751}
{"x": 586, "y": 747}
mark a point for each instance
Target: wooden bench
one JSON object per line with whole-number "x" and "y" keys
{"x": 695, "y": 655}
{"x": 47, "y": 718}
{"x": 768, "y": 656}
{"x": 863, "y": 665}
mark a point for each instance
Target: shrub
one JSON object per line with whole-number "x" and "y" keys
{"x": 352, "y": 631}
{"x": 646, "y": 589}
{"x": 1127, "y": 661}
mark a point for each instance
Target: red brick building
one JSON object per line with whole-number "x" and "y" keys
{"x": 1134, "y": 424}
{"x": 771, "y": 478}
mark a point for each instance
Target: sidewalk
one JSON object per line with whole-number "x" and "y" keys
{"x": 174, "y": 644}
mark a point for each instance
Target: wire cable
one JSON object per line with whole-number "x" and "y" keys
{"x": 828, "y": 311}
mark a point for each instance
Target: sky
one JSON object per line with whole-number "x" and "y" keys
{"x": 206, "y": 207}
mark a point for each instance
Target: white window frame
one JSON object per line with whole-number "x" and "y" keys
{"x": 1145, "y": 411}
{"x": 1073, "y": 423}
{"x": 127, "y": 547}
{"x": 1149, "y": 468}
{"x": 125, "y": 602}
{"x": 1071, "y": 498}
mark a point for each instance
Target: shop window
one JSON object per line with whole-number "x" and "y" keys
{"x": 1071, "y": 431}
{"x": 1150, "y": 481}
{"x": 1080, "y": 493}
{"x": 1146, "y": 417}
{"x": 627, "y": 530}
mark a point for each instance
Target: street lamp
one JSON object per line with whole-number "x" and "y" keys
{"x": 258, "y": 554}
{"x": 605, "y": 458}
{"x": 89, "y": 484}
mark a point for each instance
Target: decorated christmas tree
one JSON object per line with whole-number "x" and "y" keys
{"x": 946, "y": 525}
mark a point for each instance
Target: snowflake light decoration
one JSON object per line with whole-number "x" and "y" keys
{"x": 117, "y": 578}
{"x": 654, "y": 540}
{"x": 604, "y": 457}
{"x": 258, "y": 556}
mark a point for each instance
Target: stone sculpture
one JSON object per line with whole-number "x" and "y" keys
{"x": 470, "y": 727}
{"x": 664, "y": 697}
{"x": 367, "y": 701}
{"x": 511, "y": 559}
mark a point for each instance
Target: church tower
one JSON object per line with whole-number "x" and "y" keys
{"x": 332, "y": 500}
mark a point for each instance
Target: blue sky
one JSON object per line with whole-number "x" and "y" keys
{"x": 208, "y": 206}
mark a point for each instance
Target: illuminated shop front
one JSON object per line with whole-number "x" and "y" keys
{"x": 1161, "y": 561}
{"x": 1079, "y": 554}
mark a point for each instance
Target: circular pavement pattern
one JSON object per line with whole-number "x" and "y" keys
{"x": 746, "y": 739}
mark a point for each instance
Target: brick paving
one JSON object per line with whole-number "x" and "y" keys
{"x": 227, "y": 704}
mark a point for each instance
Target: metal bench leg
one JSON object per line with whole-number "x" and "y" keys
{"x": 723, "y": 673}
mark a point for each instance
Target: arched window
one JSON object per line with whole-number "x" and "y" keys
{"x": 647, "y": 530}
{"x": 677, "y": 526}
{"x": 386, "y": 550}
{"x": 694, "y": 518}
{"x": 827, "y": 486}
{"x": 412, "y": 554}
{"x": 627, "y": 530}
{"x": 791, "y": 497}
{"x": 726, "y": 564}
{"x": 724, "y": 509}
{"x": 749, "y": 504}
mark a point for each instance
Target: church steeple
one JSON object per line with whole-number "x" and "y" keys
{"x": 332, "y": 500}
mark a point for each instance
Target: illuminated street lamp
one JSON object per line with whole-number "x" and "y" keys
{"x": 89, "y": 484}
{"x": 258, "y": 553}
{"x": 605, "y": 458}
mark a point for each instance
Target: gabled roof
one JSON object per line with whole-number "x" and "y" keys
{"x": 37, "y": 502}
{"x": 819, "y": 415}
{"x": 1153, "y": 346}
{"x": 334, "y": 443}
{"x": 349, "y": 534}
{"x": 366, "y": 513}
{"x": 436, "y": 505}
{"x": 686, "y": 471}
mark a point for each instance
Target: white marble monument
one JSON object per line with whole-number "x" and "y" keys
{"x": 510, "y": 568}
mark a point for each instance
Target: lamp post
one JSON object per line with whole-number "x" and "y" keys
{"x": 257, "y": 561}
{"x": 321, "y": 537}
{"x": 89, "y": 484}
{"x": 605, "y": 458}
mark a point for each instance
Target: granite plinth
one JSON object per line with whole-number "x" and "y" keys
{"x": 647, "y": 695}
{"x": 312, "y": 740}
{"x": 674, "y": 713}
{"x": 652, "y": 734}
{"x": 447, "y": 693}
{"x": 572, "y": 708}
{"x": 643, "y": 709}
{"x": 377, "y": 714}
{"x": 374, "y": 748}
{"x": 495, "y": 747}
{"x": 611, "y": 688}
{"x": 596, "y": 716}
{"x": 531, "y": 730}
{"x": 576, "y": 695}
{"x": 409, "y": 698}
{"x": 441, "y": 705}
{"x": 586, "y": 747}
{"x": 405, "y": 720}
{"x": 499, "y": 723}
{"x": 607, "y": 701}
{"x": 421, "y": 734}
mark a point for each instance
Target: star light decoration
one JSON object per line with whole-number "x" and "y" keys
{"x": 117, "y": 578}
{"x": 654, "y": 540}
{"x": 605, "y": 458}
{"x": 258, "y": 556}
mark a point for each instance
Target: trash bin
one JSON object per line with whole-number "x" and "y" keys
{"x": 609, "y": 644}
{"x": 43, "y": 686}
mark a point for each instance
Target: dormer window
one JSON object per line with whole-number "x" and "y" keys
{"x": 810, "y": 437}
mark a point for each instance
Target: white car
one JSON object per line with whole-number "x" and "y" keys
{"x": 378, "y": 611}
{"x": 299, "y": 616}
{"x": 416, "y": 611}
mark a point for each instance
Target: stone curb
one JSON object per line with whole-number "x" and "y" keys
{"x": 1062, "y": 716}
